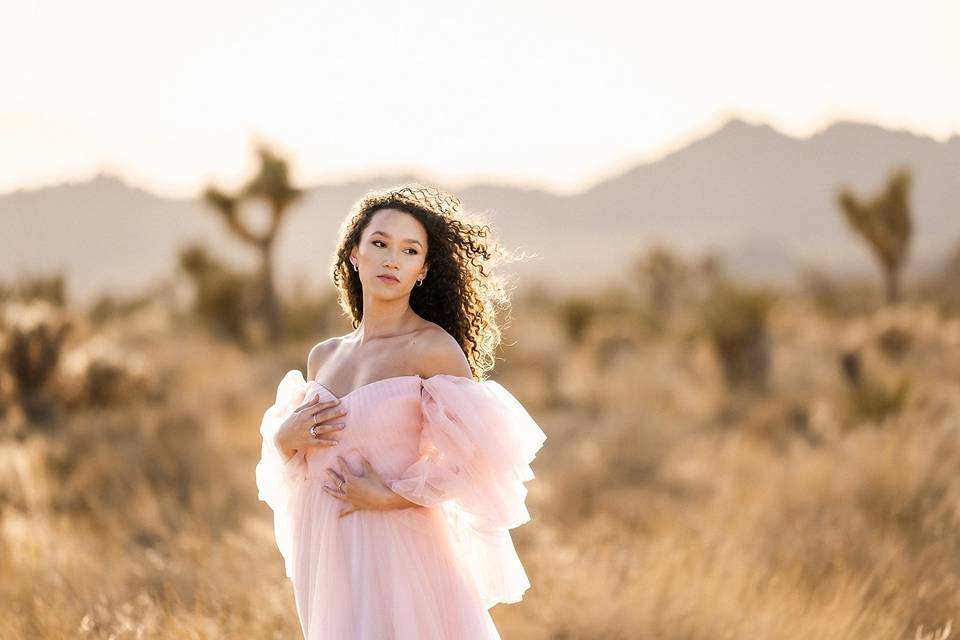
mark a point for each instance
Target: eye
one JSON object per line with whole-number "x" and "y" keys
{"x": 415, "y": 252}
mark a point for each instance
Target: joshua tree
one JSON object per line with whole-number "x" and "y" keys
{"x": 884, "y": 222}
{"x": 271, "y": 184}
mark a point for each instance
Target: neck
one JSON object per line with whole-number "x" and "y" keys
{"x": 384, "y": 319}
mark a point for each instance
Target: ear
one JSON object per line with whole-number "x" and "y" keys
{"x": 353, "y": 256}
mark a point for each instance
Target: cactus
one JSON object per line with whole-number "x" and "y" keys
{"x": 272, "y": 184}
{"x": 884, "y": 222}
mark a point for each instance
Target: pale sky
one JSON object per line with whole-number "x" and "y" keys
{"x": 551, "y": 94}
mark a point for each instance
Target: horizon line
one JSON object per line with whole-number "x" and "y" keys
{"x": 478, "y": 180}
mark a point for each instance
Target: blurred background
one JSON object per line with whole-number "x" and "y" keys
{"x": 739, "y": 324}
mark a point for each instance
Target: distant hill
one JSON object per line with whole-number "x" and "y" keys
{"x": 761, "y": 198}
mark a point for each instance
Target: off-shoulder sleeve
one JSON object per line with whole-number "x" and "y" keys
{"x": 476, "y": 445}
{"x": 277, "y": 479}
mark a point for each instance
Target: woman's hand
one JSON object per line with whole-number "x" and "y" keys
{"x": 364, "y": 491}
{"x": 307, "y": 426}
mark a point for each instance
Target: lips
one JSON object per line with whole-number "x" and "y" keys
{"x": 384, "y": 276}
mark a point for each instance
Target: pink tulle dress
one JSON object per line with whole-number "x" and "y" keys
{"x": 461, "y": 449}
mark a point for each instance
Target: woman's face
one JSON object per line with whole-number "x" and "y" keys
{"x": 393, "y": 243}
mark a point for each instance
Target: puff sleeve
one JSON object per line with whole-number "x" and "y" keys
{"x": 278, "y": 479}
{"x": 476, "y": 445}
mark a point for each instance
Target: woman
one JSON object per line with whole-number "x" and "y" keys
{"x": 394, "y": 469}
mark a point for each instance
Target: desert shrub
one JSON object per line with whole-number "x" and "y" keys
{"x": 869, "y": 399}
{"x": 31, "y": 338}
{"x": 735, "y": 319}
{"x": 111, "y": 307}
{"x": 576, "y": 313}
{"x": 669, "y": 282}
{"x": 40, "y": 377}
{"x": 224, "y": 298}
{"x": 99, "y": 373}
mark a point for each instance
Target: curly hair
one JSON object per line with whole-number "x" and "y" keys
{"x": 460, "y": 292}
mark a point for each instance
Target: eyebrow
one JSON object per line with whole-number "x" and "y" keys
{"x": 383, "y": 233}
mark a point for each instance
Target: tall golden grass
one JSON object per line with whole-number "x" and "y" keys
{"x": 670, "y": 501}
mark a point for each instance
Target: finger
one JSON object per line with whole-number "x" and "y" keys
{"x": 328, "y": 428}
{"x": 302, "y": 407}
{"x": 333, "y": 492}
{"x": 344, "y": 469}
{"x": 336, "y": 476}
{"x": 315, "y": 402}
{"x": 324, "y": 416}
{"x": 367, "y": 467}
{"x": 348, "y": 510}
{"x": 323, "y": 442}
{"x": 328, "y": 406}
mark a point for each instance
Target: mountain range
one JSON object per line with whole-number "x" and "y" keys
{"x": 763, "y": 200}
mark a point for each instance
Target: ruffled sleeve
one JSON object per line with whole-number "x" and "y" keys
{"x": 476, "y": 445}
{"x": 276, "y": 478}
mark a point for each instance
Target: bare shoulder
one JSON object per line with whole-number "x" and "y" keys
{"x": 320, "y": 353}
{"x": 440, "y": 353}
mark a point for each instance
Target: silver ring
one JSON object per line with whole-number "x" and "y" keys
{"x": 313, "y": 431}
{"x": 315, "y": 423}
{"x": 340, "y": 486}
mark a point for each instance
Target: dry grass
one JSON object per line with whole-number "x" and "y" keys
{"x": 665, "y": 507}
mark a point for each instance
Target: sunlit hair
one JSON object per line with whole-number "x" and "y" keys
{"x": 460, "y": 293}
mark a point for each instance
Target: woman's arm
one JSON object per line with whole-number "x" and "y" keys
{"x": 364, "y": 490}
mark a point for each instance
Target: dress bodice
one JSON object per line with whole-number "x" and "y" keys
{"x": 382, "y": 424}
